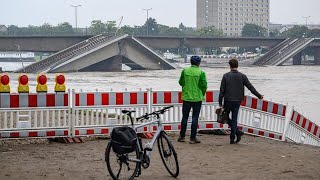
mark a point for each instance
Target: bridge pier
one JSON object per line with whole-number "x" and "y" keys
{"x": 317, "y": 55}
{"x": 113, "y": 64}
{"x": 297, "y": 59}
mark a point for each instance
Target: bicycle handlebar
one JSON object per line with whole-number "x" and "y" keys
{"x": 161, "y": 111}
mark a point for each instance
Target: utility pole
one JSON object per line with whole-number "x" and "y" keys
{"x": 76, "y": 14}
{"x": 306, "y": 17}
{"x": 147, "y": 19}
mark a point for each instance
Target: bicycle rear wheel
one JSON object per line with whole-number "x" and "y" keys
{"x": 168, "y": 154}
{"x": 120, "y": 166}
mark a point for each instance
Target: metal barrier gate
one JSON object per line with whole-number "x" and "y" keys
{"x": 302, "y": 130}
{"x": 96, "y": 113}
{"x": 262, "y": 118}
{"x": 34, "y": 115}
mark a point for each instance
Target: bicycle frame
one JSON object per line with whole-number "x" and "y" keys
{"x": 150, "y": 144}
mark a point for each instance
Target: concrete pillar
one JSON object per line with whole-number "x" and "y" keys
{"x": 317, "y": 55}
{"x": 297, "y": 59}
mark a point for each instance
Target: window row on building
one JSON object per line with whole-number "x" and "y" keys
{"x": 242, "y": 9}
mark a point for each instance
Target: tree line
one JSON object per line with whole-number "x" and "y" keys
{"x": 151, "y": 27}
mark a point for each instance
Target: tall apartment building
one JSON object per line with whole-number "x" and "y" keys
{"x": 231, "y": 15}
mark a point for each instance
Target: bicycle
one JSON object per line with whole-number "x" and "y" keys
{"x": 133, "y": 162}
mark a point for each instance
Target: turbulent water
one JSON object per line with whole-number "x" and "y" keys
{"x": 299, "y": 86}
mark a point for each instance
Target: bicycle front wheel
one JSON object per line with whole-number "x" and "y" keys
{"x": 122, "y": 166}
{"x": 168, "y": 154}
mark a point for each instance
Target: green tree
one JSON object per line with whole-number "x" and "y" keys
{"x": 209, "y": 31}
{"x": 45, "y": 29}
{"x": 274, "y": 33}
{"x": 169, "y": 31}
{"x": 253, "y": 30}
{"x": 173, "y": 31}
{"x": 127, "y": 30}
{"x": 97, "y": 27}
{"x": 151, "y": 26}
{"x": 297, "y": 32}
{"x": 315, "y": 32}
{"x": 13, "y": 30}
{"x": 111, "y": 26}
{"x": 63, "y": 29}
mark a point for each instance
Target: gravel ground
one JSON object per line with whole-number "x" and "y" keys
{"x": 214, "y": 158}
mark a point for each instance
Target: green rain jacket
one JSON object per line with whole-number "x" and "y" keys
{"x": 194, "y": 84}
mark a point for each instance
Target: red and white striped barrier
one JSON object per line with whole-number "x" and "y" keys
{"x": 31, "y": 115}
{"x": 175, "y": 97}
{"x": 260, "y": 132}
{"x": 263, "y": 105}
{"x": 305, "y": 123}
{"x": 302, "y": 130}
{"x": 26, "y": 100}
{"x": 110, "y": 98}
{"x": 97, "y": 113}
{"x": 34, "y": 133}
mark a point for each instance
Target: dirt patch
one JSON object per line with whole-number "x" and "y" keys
{"x": 214, "y": 158}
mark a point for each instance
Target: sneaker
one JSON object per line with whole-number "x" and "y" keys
{"x": 181, "y": 139}
{"x": 232, "y": 142}
{"x": 194, "y": 141}
{"x": 239, "y": 136}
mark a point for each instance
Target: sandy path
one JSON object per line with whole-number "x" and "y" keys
{"x": 214, "y": 158}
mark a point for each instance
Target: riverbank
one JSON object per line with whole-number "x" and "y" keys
{"x": 214, "y": 158}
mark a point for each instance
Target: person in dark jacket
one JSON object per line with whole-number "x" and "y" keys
{"x": 232, "y": 92}
{"x": 194, "y": 85}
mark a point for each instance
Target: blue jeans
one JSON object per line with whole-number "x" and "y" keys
{"x": 186, "y": 107}
{"x": 233, "y": 107}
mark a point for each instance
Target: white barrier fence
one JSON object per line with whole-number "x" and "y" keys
{"x": 34, "y": 115}
{"x": 96, "y": 113}
{"x": 301, "y": 130}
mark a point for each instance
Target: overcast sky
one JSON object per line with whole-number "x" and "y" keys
{"x": 168, "y": 12}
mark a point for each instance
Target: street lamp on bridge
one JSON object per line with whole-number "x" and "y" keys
{"x": 306, "y": 17}
{"x": 76, "y": 14}
{"x": 147, "y": 18}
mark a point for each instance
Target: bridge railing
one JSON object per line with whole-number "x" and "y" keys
{"x": 272, "y": 52}
{"x": 67, "y": 53}
{"x": 288, "y": 51}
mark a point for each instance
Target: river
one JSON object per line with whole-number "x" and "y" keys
{"x": 299, "y": 86}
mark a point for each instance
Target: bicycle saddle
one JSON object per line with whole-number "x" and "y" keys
{"x": 127, "y": 111}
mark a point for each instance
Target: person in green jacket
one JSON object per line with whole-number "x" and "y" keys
{"x": 194, "y": 86}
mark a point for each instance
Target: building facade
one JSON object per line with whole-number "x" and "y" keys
{"x": 231, "y": 15}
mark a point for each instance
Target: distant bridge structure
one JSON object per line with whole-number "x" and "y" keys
{"x": 276, "y": 56}
{"x": 101, "y": 53}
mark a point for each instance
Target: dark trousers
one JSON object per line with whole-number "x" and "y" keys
{"x": 186, "y": 107}
{"x": 233, "y": 107}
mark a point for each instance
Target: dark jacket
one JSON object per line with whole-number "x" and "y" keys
{"x": 232, "y": 87}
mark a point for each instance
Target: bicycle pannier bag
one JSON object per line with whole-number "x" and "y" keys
{"x": 124, "y": 140}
